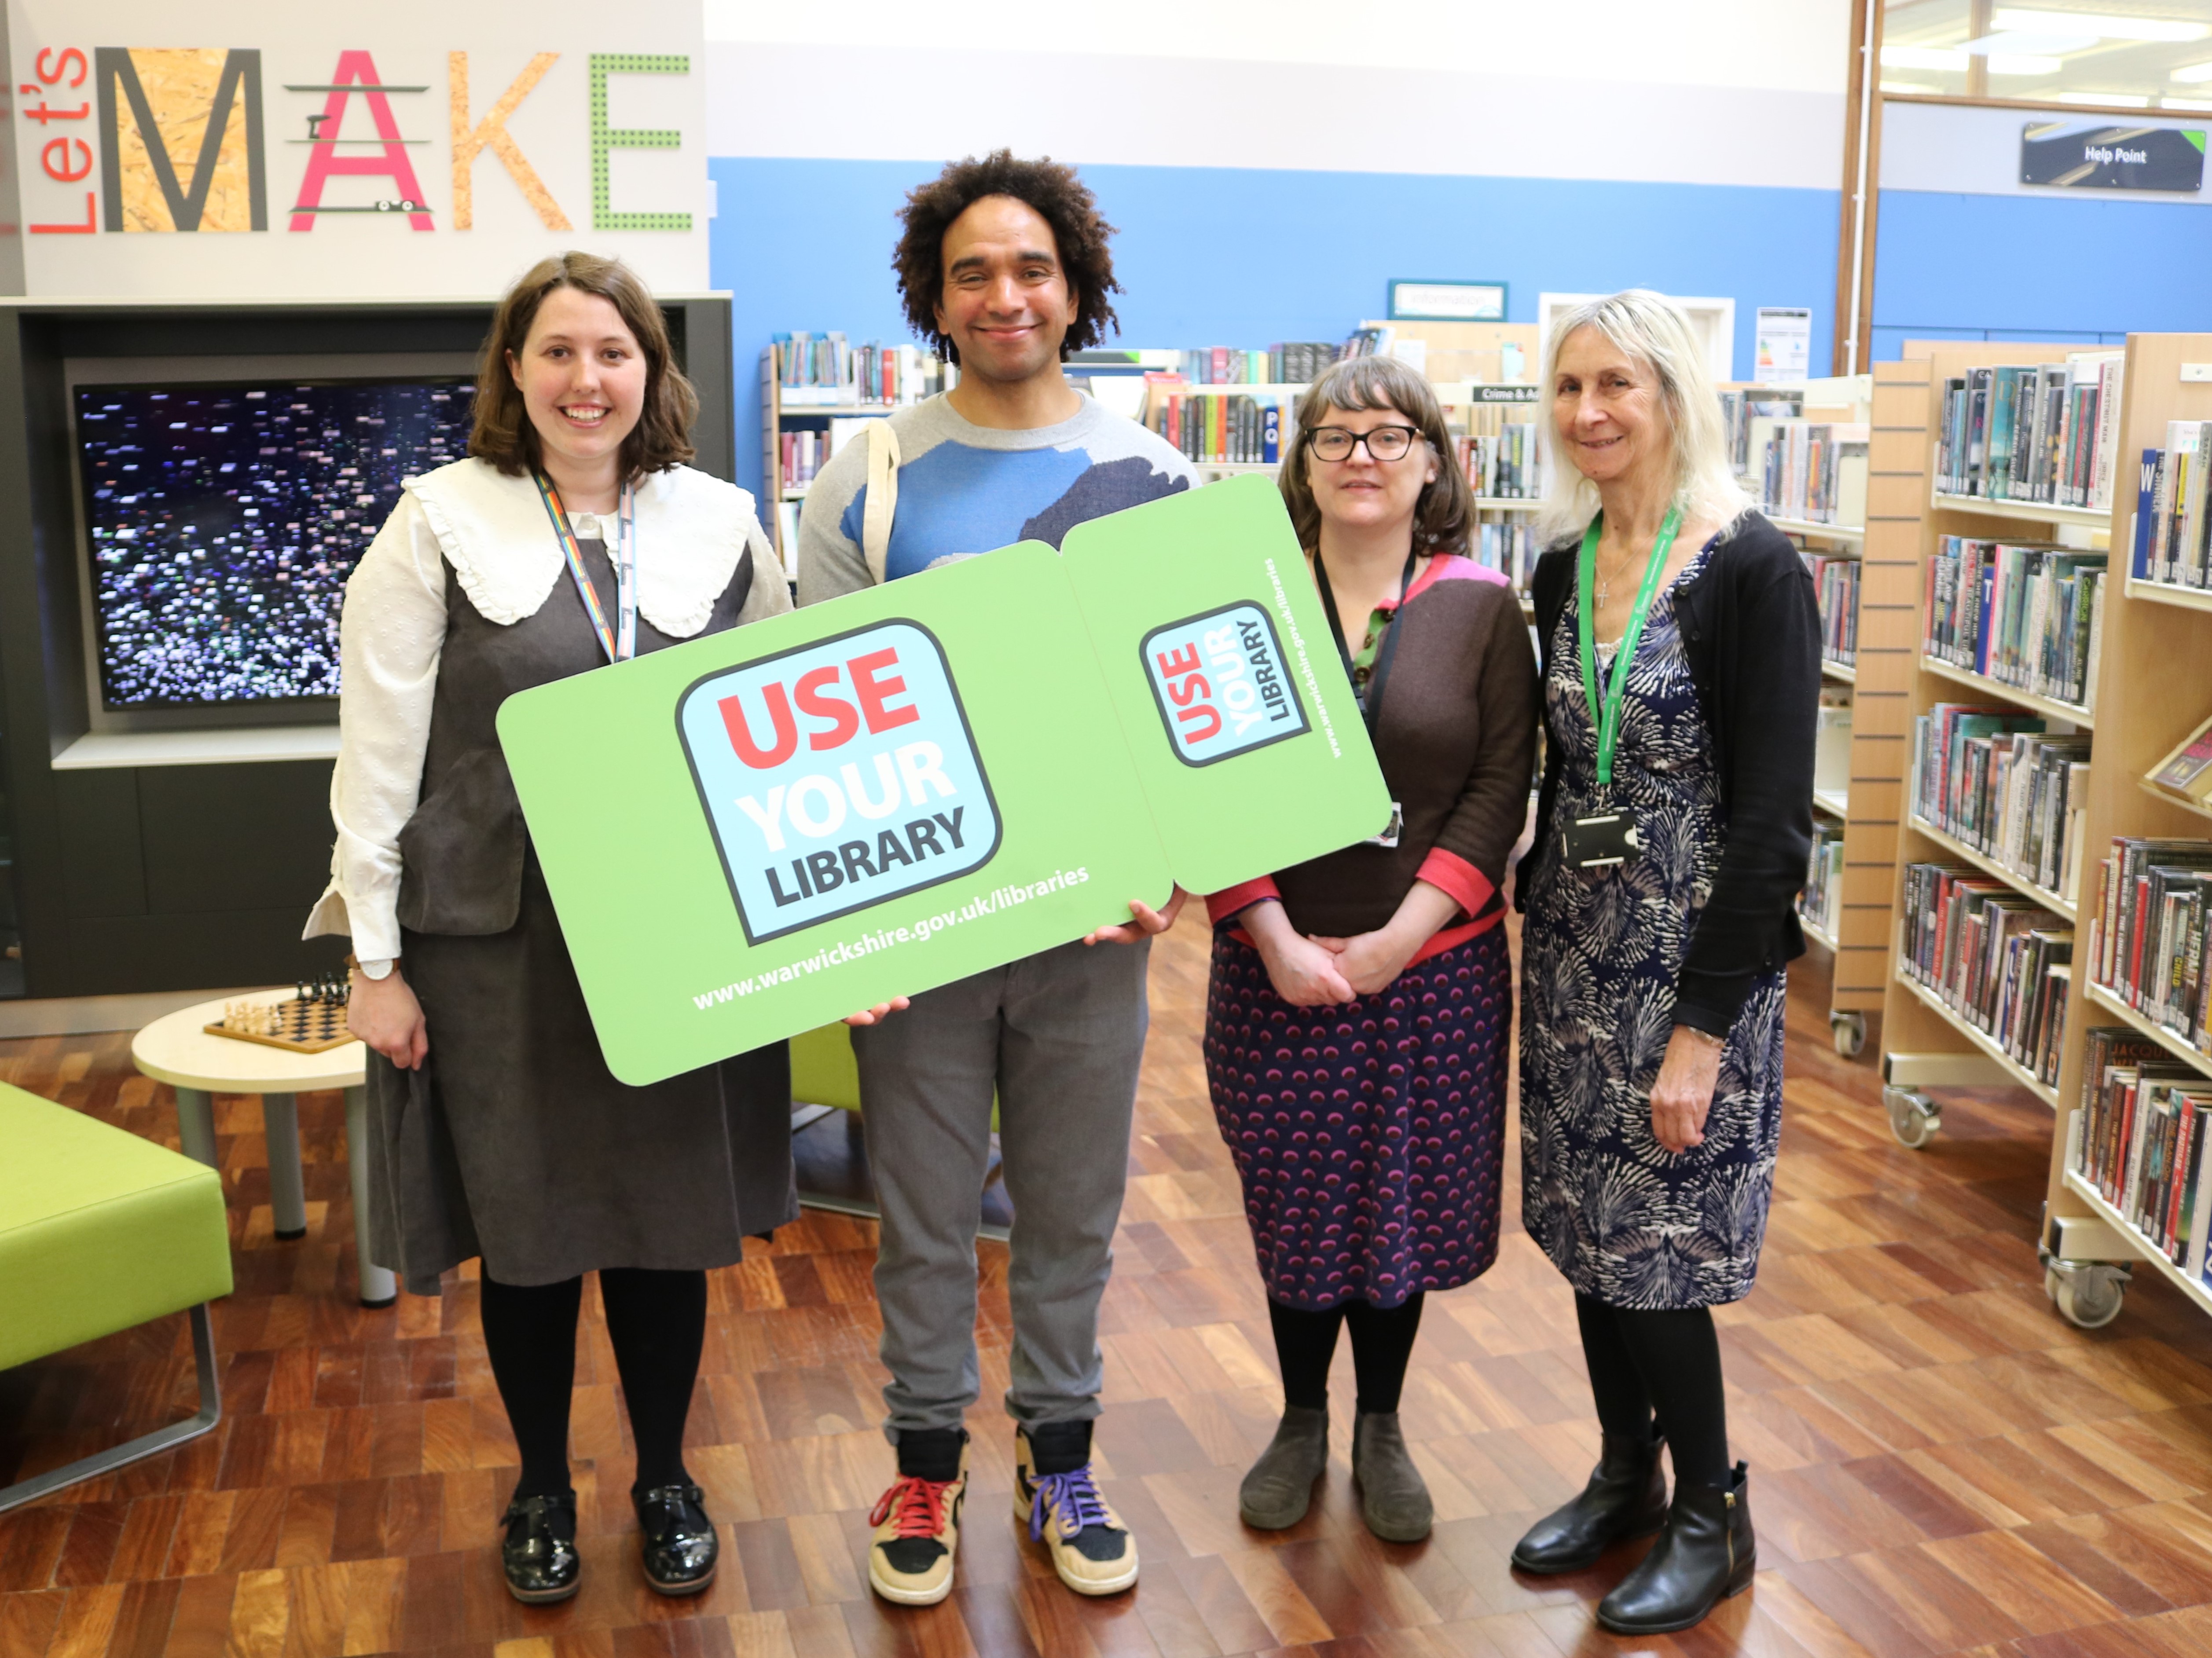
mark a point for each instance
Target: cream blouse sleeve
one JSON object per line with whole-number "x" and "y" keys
{"x": 391, "y": 632}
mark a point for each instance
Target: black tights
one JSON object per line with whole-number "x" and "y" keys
{"x": 1667, "y": 1361}
{"x": 658, "y": 1324}
{"x": 1381, "y": 1344}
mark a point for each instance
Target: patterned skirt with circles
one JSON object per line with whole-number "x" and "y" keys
{"x": 1370, "y": 1137}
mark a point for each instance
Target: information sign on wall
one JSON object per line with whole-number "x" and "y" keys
{"x": 2068, "y": 155}
{"x": 236, "y": 150}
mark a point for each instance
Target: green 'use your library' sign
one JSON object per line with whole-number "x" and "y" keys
{"x": 756, "y": 833}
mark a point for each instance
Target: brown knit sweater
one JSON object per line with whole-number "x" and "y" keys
{"x": 1458, "y": 744}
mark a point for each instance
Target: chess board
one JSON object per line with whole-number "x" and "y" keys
{"x": 302, "y": 1028}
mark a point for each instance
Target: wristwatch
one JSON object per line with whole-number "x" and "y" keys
{"x": 376, "y": 968}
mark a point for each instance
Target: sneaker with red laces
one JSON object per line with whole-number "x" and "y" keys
{"x": 1092, "y": 1549}
{"x": 917, "y": 1524}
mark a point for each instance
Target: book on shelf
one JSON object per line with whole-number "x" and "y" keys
{"x": 2185, "y": 774}
{"x": 2000, "y": 962}
{"x": 2147, "y": 937}
{"x": 1831, "y": 742}
{"x": 786, "y": 540}
{"x": 1813, "y": 471}
{"x": 1822, "y": 900}
{"x": 1511, "y": 549}
{"x": 1741, "y": 406}
{"x": 2174, "y": 527}
{"x": 1287, "y": 362}
{"x": 2144, "y": 1119}
{"x": 828, "y": 369}
{"x": 1220, "y": 429}
{"x": 1993, "y": 778}
{"x": 2045, "y": 434}
{"x": 2023, "y": 614}
{"x": 1836, "y": 584}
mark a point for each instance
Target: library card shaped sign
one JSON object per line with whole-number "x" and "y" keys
{"x": 756, "y": 833}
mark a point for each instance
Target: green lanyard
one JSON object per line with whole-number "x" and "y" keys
{"x": 1608, "y": 713}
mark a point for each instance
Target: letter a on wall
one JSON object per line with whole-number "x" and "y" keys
{"x": 356, "y": 77}
{"x": 182, "y": 147}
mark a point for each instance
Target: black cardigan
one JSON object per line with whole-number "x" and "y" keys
{"x": 1750, "y": 633}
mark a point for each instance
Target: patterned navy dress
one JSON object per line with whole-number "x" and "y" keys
{"x": 1628, "y": 1222}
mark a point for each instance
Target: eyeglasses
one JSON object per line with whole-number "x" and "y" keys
{"x": 1383, "y": 443}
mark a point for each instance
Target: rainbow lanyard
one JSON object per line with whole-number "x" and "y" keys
{"x": 619, "y": 643}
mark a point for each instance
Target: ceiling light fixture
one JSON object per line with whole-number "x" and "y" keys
{"x": 2112, "y": 99}
{"x": 2025, "y": 65}
{"x": 2190, "y": 74}
{"x": 2102, "y": 25}
{"x": 1940, "y": 57}
{"x": 2040, "y": 42}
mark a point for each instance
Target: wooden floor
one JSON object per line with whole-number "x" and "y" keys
{"x": 1938, "y": 1463}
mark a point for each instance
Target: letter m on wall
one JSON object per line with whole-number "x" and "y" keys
{"x": 181, "y": 148}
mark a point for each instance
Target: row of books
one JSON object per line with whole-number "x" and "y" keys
{"x": 1511, "y": 549}
{"x": 1741, "y": 407}
{"x": 1815, "y": 470}
{"x": 2000, "y": 962}
{"x": 2145, "y": 1118}
{"x": 1835, "y": 582}
{"x": 1287, "y": 363}
{"x": 828, "y": 369}
{"x": 1222, "y": 429}
{"x": 804, "y": 453}
{"x": 2046, "y": 433}
{"x": 2147, "y": 937}
{"x": 1992, "y": 778}
{"x": 2173, "y": 530}
{"x": 1822, "y": 901}
{"x": 1502, "y": 463}
{"x": 2024, "y": 614}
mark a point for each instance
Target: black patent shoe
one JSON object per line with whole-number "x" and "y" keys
{"x": 539, "y": 1553}
{"x": 1706, "y": 1553}
{"x": 680, "y": 1545}
{"x": 1626, "y": 1497}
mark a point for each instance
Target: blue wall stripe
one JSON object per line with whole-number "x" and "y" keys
{"x": 1215, "y": 255}
{"x": 1956, "y": 266}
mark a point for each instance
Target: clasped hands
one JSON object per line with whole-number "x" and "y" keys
{"x": 1310, "y": 970}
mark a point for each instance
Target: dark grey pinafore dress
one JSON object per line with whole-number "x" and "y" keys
{"x": 513, "y": 1141}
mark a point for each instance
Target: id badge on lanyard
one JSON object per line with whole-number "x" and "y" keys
{"x": 1606, "y": 837}
{"x": 619, "y": 641}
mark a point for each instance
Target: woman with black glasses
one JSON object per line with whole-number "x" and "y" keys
{"x": 1356, "y": 1026}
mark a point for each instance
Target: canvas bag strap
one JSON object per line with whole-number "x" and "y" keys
{"x": 883, "y": 497}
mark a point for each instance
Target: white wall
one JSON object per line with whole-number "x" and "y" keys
{"x": 1730, "y": 92}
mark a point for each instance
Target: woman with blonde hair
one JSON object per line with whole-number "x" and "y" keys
{"x": 1356, "y": 1025}
{"x": 1681, "y": 675}
{"x": 574, "y": 536}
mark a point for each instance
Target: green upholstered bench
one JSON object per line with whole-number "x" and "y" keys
{"x": 101, "y": 1230}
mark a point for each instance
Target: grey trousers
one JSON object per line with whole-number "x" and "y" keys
{"x": 1060, "y": 1036}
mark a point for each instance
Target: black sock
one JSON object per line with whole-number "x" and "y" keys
{"x": 1381, "y": 1347}
{"x": 930, "y": 1452}
{"x": 1624, "y": 1409}
{"x": 1305, "y": 1343}
{"x": 657, "y": 1322}
{"x": 530, "y": 1335}
{"x": 1059, "y": 1447}
{"x": 1678, "y": 1354}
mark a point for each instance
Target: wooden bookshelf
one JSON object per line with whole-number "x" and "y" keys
{"x": 2151, "y": 693}
{"x": 1850, "y": 533}
{"x": 1924, "y": 1042}
{"x": 1843, "y": 673}
{"x": 2073, "y": 712}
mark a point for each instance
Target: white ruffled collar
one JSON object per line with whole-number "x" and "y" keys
{"x": 691, "y": 531}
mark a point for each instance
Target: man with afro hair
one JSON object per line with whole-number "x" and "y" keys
{"x": 1004, "y": 265}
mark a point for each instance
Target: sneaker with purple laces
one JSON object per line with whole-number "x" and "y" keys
{"x": 1092, "y": 1549}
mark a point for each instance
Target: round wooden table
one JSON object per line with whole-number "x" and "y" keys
{"x": 176, "y": 1049}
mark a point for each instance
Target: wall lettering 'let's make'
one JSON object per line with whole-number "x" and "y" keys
{"x": 423, "y": 152}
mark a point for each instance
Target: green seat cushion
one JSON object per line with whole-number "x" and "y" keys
{"x": 99, "y": 1229}
{"x": 823, "y": 1069}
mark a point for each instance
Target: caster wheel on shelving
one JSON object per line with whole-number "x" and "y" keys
{"x": 2087, "y": 1294}
{"x": 1913, "y": 1117}
{"x": 1850, "y": 1032}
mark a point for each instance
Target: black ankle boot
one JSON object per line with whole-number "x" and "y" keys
{"x": 539, "y": 1553}
{"x": 1706, "y": 1553}
{"x": 1626, "y": 1497}
{"x": 680, "y": 1544}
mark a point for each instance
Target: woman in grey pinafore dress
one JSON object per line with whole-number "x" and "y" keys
{"x": 497, "y": 1129}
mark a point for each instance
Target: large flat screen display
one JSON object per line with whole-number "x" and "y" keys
{"x": 223, "y": 520}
